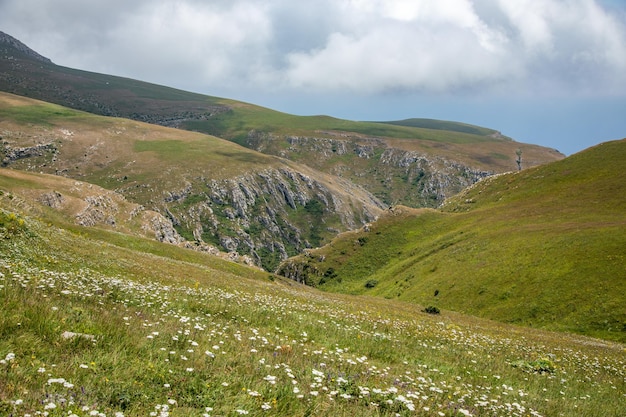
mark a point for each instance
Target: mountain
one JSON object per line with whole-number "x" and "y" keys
{"x": 418, "y": 162}
{"x": 541, "y": 247}
{"x": 213, "y": 193}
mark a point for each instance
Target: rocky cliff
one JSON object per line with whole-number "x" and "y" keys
{"x": 392, "y": 174}
{"x": 267, "y": 215}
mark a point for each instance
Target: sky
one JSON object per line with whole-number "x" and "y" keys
{"x": 547, "y": 72}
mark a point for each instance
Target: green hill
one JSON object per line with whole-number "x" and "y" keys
{"x": 542, "y": 247}
{"x": 447, "y": 126}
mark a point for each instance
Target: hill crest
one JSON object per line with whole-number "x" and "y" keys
{"x": 20, "y": 47}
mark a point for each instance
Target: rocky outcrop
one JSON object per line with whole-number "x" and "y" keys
{"x": 268, "y": 215}
{"x": 12, "y": 154}
{"x": 395, "y": 176}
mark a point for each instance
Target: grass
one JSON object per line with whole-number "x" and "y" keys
{"x": 158, "y": 329}
{"x": 445, "y": 125}
{"x": 542, "y": 247}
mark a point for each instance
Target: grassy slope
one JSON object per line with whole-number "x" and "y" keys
{"x": 445, "y": 125}
{"x": 120, "y": 147}
{"x": 540, "y": 247}
{"x": 177, "y": 331}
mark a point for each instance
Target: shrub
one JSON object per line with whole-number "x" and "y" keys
{"x": 371, "y": 283}
{"x": 432, "y": 310}
{"x": 11, "y": 224}
{"x": 539, "y": 366}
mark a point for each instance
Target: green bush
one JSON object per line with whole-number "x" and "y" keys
{"x": 371, "y": 283}
{"x": 11, "y": 225}
{"x": 432, "y": 310}
{"x": 539, "y": 366}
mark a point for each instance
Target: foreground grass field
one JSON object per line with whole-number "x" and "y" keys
{"x": 95, "y": 323}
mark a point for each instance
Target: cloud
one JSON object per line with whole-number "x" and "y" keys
{"x": 366, "y": 46}
{"x": 416, "y": 45}
{"x": 450, "y": 46}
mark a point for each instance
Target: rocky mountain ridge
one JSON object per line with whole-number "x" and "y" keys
{"x": 269, "y": 214}
{"x": 393, "y": 174}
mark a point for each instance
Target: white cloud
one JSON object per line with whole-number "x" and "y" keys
{"x": 370, "y": 46}
{"x": 447, "y": 46}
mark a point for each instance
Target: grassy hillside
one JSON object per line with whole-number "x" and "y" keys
{"x": 446, "y": 125}
{"x": 540, "y": 247}
{"x": 94, "y": 322}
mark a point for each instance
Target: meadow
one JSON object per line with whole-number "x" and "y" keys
{"x": 96, "y": 323}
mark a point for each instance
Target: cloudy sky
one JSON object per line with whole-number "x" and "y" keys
{"x": 550, "y": 72}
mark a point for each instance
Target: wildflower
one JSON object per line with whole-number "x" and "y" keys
{"x": 83, "y": 366}
{"x": 266, "y": 406}
{"x": 271, "y": 379}
{"x": 7, "y": 359}
{"x": 240, "y": 411}
{"x": 56, "y": 381}
{"x": 209, "y": 354}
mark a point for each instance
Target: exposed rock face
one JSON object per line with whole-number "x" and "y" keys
{"x": 12, "y": 154}
{"x": 52, "y": 199}
{"x": 396, "y": 176}
{"x": 268, "y": 215}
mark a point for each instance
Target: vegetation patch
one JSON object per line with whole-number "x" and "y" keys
{"x": 11, "y": 225}
{"x": 538, "y": 366}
